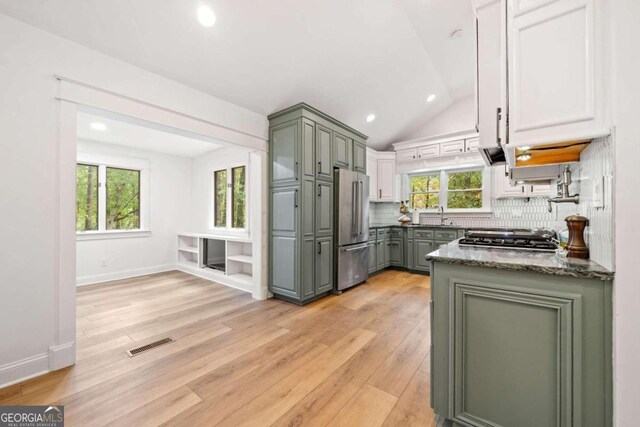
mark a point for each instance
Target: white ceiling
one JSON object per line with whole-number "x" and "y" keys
{"x": 348, "y": 58}
{"x": 133, "y": 135}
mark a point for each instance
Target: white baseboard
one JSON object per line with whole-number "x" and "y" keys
{"x": 126, "y": 274}
{"x": 61, "y": 356}
{"x": 24, "y": 369}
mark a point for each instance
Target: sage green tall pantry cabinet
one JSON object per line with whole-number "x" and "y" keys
{"x": 305, "y": 145}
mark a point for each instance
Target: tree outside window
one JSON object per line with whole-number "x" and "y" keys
{"x": 230, "y": 205}
{"x": 459, "y": 190}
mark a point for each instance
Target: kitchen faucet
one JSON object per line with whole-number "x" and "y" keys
{"x": 442, "y": 217}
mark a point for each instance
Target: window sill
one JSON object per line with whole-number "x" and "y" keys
{"x": 119, "y": 234}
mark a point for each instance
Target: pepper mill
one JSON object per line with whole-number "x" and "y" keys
{"x": 576, "y": 245}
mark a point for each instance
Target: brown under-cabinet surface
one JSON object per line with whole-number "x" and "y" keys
{"x": 358, "y": 359}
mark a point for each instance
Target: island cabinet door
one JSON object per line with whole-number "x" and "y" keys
{"x": 515, "y": 356}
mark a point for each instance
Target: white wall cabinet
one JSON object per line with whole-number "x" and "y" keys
{"x": 556, "y": 70}
{"x": 491, "y": 75}
{"x": 504, "y": 190}
{"x": 471, "y": 145}
{"x": 452, "y": 148}
{"x": 407, "y": 155}
{"x": 381, "y": 169}
{"x": 429, "y": 152}
{"x": 548, "y": 56}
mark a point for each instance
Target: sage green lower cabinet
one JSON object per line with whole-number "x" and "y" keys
{"x": 396, "y": 253}
{"x": 512, "y": 348}
{"x": 420, "y": 249}
{"x": 324, "y": 264}
{"x": 381, "y": 254}
{"x": 373, "y": 266}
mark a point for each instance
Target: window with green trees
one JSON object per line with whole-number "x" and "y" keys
{"x": 220, "y": 198}
{"x": 86, "y": 197}
{"x": 123, "y": 199}
{"x": 462, "y": 189}
{"x": 111, "y": 194}
{"x": 229, "y": 198}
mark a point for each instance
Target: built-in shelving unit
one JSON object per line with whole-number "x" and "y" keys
{"x": 233, "y": 258}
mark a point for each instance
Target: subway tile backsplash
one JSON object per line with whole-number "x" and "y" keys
{"x": 596, "y": 163}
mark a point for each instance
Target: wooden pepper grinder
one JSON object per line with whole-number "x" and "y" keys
{"x": 576, "y": 245}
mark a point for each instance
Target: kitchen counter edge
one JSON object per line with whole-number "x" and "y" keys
{"x": 518, "y": 260}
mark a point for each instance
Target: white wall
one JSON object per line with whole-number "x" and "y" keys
{"x": 29, "y": 167}
{"x": 459, "y": 116}
{"x": 626, "y": 103}
{"x": 169, "y": 207}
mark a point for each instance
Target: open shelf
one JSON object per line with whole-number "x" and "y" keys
{"x": 247, "y": 259}
{"x": 189, "y": 249}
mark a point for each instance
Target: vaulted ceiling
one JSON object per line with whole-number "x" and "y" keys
{"x": 349, "y": 58}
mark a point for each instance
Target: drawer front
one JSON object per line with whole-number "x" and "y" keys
{"x": 446, "y": 235}
{"x": 397, "y": 233}
{"x": 452, "y": 148}
{"x": 372, "y": 234}
{"x": 382, "y": 233}
{"x": 408, "y": 155}
{"x": 410, "y": 233}
{"x": 429, "y": 151}
{"x": 423, "y": 234}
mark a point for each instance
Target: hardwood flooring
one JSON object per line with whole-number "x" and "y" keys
{"x": 358, "y": 359}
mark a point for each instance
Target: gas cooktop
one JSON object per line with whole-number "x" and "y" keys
{"x": 532, "y": 240}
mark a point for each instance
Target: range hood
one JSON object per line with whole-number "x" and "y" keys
{"x": 494, "y": 156}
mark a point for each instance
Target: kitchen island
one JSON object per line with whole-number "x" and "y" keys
{"x": 520, "y": 338}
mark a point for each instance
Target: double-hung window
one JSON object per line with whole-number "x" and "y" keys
{"x": 111, "y": 194}
{"x": 230, "y": 198}
{"x": 462, "y": 190}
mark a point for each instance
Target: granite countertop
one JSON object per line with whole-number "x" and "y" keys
{"x": 517, "y": 260}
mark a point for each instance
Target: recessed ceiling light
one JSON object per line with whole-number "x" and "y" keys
{"x": 431, "y": 97}
{"x": 370, "y": 118}
{"x": 524, "y": 157}
{"x": 206, "y": 16}
{"x": 98, "y": 126}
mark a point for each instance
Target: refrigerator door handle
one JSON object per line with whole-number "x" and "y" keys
{"x": 361, "y": 203}
{"x": 359, "y": 248}
{"x": 354, "y": 201}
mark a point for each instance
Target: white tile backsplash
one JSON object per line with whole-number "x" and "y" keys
{"x": 596, "y": 163}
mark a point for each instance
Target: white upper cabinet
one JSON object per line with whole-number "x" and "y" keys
{"x": 386, "y": 179}
{"x": 502, "y": 188}
{"x": 556, "y": 71}
{"x": 407, "y": 155}
{"x": 429, "y": 151}
{"x": 491, "y": 79}
{"x": 372, "y": 172}
{"x": 452, "y": 148}
{"x": 381, "y": 169}
{"x": 471, "y": 145}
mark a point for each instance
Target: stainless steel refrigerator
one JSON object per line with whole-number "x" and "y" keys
{"x": 351, "y": 228}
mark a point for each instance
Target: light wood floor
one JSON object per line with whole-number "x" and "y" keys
{"x": 359, "y": 359}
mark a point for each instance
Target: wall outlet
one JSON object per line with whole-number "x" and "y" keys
{"x": 597, "y": 197}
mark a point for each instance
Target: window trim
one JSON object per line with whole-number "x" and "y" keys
{"x": 103, "y": 162}
{"x": 444, "y": 189}
{"x": 212, "y": 199}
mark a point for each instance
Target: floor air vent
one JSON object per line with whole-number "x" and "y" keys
{"x": 138, "y": 350}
